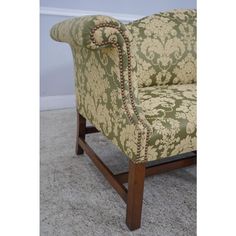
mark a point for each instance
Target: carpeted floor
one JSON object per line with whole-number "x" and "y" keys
{"x": 77, "y": 200}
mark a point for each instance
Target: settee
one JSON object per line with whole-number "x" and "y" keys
{"x": 136, "y": 84}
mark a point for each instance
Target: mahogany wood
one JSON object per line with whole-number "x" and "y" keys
{"x": 135, "y": 176}
{"x": 160, "y": 168}
{"x": 81, "y": 131}
{"x": 135, "y": 195}
{"x": 91, "y": 129}
{"x": 120, "y": 188}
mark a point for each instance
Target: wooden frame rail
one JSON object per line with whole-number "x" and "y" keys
{"x": 120, "y": 188}
{"x": 91, "y": 129}
{"x": 161, "y": 168}
{"x": 132, "y": 196}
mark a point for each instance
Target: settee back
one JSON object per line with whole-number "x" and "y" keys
{"x": 164, "y": 47}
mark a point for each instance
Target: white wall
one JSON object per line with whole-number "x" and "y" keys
{"x": 137, "y": 7}
{"x": 56, "y": 65}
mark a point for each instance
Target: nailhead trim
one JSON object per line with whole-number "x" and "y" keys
{"x": 116, "y": 44}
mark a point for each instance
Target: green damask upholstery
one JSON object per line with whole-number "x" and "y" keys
{"x": 171, "y": 110}
{"x": 136, "y": 82}
{"x": 165, "y": 48}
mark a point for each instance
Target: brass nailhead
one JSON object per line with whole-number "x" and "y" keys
{"x": 122, "y": 78}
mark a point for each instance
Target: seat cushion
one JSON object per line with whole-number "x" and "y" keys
{"x": 171, "y": 110}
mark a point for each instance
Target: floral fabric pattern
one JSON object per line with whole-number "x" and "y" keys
{"x": 171, "y": 110}
{"x": 165, "y": 48}
{"x": 112, "y": 74}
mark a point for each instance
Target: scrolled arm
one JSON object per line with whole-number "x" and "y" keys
{"x": 92, "y": 32}
{"x": 107, "y": 92}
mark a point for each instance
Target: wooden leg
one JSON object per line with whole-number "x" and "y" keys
{"x": 81, "y": 131}
{"x": 135, "y": 195}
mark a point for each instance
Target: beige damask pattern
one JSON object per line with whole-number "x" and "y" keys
{"x": 171, "y": 110}
{"x": 120, "y": 72}
{"x": 165, "y": 48}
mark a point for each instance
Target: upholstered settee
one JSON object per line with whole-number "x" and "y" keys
{"x": 136, "y": 83}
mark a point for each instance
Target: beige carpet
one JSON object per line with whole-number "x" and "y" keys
{"x": 77, "y": 200}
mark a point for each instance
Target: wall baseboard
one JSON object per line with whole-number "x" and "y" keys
{"x": 57, "y": 102}
{"x": 76, "y": 13}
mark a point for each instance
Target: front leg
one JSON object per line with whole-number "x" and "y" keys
{"x": 135, "y": 194}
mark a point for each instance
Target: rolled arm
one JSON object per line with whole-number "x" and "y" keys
{"x": 121, "y": 120}
{"x": 92, "y": 32}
